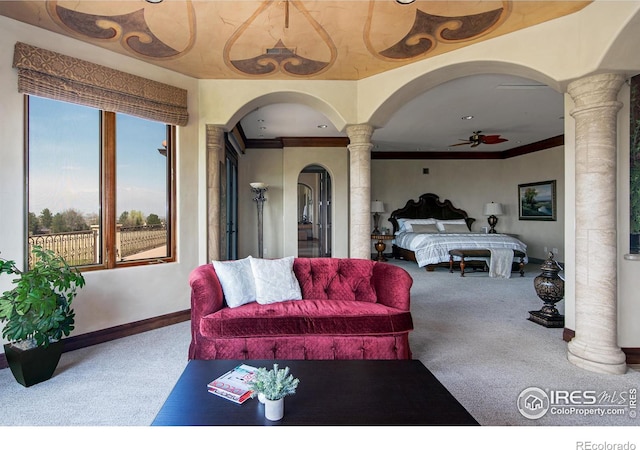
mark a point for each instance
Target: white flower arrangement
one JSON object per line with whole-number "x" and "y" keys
{"x": 274, "y": 384}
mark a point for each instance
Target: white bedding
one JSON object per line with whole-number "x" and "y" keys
{"x": 433, "y": 248}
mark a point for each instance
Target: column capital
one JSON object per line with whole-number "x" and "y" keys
{"x": 595, "y": 89}
{"x": 360, "y": 134}
{"x": 214, "y": 132}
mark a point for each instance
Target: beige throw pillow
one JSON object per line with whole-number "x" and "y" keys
{"x": 425, "y": 228}
{"x": 455, "y": 228}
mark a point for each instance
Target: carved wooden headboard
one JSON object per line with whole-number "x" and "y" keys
{"x": 429, "y": 206}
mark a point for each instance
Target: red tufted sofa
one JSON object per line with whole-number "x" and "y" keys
{"x": 350, "y": 309}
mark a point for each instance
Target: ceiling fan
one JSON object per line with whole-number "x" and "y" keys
{"x": 476, "y": 139}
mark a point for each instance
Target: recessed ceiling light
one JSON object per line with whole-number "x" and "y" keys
{"x": 154, "y": 1}
{"x": 467, "y": 117}
{"x": 260, "y": 120}
{"x": 322, "y": 126}
{"x": 263, "y": 128}
{"x": 405, "y": 2}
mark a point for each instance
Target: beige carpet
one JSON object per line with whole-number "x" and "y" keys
{"x": 471, "y": 332}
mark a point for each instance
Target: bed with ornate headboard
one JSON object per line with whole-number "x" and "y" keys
{"x": 427, "y": 229}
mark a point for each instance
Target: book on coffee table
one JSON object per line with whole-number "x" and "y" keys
{"x": 233, "y": 385}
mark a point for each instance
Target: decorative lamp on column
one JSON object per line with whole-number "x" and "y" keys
{"x": 492, "y": 210}
{"x": 377, "y": 207}
{"x": 259, "y": 189}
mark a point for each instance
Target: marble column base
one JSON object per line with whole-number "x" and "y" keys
{"x": 600, "y": 359}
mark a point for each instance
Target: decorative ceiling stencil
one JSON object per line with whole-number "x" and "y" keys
{"x": 131, "y": 29}
{"x": 428, "y": 29}
{"x": 285, "y": 39}
{"x": 296, "y": 44}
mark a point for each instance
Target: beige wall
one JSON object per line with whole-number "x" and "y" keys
{"x": 280, "y": 169}
{"x": 469, "y": 184}
{"x": 110, "y": 297}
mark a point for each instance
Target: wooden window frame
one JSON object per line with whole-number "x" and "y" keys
{"x": 108, "y": 189}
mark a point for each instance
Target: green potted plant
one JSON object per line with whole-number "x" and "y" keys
{"x": 273, "y": 385}
{"x": 37, "y": 313}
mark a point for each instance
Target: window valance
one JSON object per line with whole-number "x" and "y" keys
{"x": 52, "y": 75}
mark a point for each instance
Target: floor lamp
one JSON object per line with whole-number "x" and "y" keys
{"x": 259, "y": 189}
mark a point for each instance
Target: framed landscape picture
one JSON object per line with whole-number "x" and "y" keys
{"x": 537, "y": 200}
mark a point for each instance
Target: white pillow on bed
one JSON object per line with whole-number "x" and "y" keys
{"x": 441, "y": 223}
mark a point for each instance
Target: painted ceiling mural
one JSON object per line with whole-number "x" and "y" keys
{"x": 284, "y": 39}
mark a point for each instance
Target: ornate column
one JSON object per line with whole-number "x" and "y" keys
{"x": 595, "y": 345}
{"x": 215, "y": 151}
{"x": 360, "y": 187}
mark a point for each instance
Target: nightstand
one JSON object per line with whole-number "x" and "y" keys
{"x": 380, "y": 245}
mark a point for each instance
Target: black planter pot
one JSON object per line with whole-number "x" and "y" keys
{"x": 34, "y": 365}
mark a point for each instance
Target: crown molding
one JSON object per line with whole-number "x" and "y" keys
{"x": 282, "y": 142}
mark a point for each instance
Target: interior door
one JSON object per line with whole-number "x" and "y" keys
{"x": 325, "y": 213}
{"x": 231, "y": 208}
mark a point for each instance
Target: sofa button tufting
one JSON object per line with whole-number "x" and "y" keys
{"x": 327, "y": 282}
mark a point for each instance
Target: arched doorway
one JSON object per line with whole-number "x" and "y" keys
{"x": 314, "y": 212}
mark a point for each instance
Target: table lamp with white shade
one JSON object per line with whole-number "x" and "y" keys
{"x": 377, "y": 207}
{"x": 492, "y": 210}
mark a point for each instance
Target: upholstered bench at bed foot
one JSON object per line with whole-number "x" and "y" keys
{"x": 482, "y": 253}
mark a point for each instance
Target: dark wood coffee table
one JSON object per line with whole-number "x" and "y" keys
{"x": 330, "y": 393}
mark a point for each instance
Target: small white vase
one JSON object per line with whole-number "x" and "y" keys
{"x": 274, "y": 409}
{"x": 261, "y": 397}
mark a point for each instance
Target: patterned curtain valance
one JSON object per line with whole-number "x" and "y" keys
{"x": 60, "y": 77}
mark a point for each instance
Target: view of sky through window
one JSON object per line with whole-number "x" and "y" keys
{"x": 64, "y": 160}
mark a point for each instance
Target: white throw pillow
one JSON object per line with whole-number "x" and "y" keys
{"x": 275, "y": 280}
{"x": 236, "y": 279}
